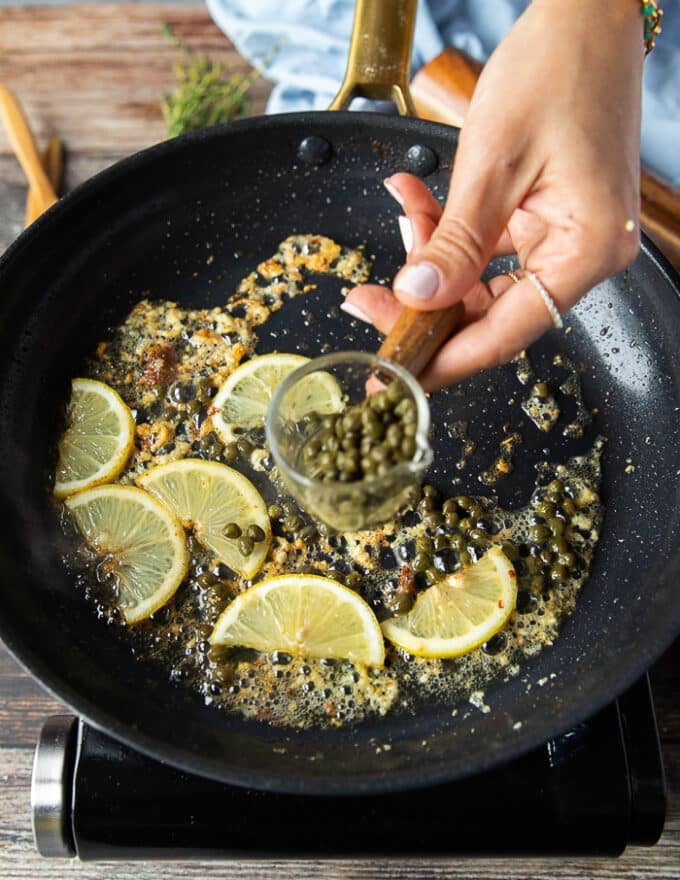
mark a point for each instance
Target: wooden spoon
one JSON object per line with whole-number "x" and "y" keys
{"x": 25, "y": 149}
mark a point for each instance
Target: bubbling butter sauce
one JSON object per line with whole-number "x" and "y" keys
{"x": 167, "y": 363}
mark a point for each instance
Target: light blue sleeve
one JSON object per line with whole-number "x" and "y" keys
{"x": 301, "y": 45}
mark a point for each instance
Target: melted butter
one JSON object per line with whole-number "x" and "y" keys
{"x": 159, "y": 345}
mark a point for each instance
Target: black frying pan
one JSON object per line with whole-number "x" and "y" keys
{"x": 142, "y": 228}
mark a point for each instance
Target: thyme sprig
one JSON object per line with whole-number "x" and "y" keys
{"x": 206, "y": 93}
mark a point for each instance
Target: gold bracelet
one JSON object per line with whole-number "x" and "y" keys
{"x": 653, "y": 15}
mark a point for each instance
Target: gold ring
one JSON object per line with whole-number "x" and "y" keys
{"x": 512, "y": 274}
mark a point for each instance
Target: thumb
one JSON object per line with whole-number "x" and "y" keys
{"x": 479, "y": 205}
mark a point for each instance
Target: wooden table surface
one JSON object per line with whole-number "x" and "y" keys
{"x": 93, "y": 76}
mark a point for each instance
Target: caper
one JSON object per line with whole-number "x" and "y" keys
{"x": 431, "y": 576}
{"x": 569, "y": 507}
{"x": 207, "y": 440}
{"x": 231, "y": 452}
{"x": 275, "y": 511}
{"x": 424, "y": 544}
{"x": 441, "y": 542}
{"x": 558, "y": 573}
{"x": 245, "y": 546}
{"x": 545, "y": 509}
{"x": 421, "y": 562}
{"x": 432, "y": 519}
{"x": 464, "y": 502}
{"x": 464, "y": 558}
{"x": 193, "y": 406}
{"x": 540, "y": 389}
{"x": 308, "y": 533}
{"x": 232, "y": 530}
{"x": 559, "y": 546}
{"x": 207, "y": 579}
{"x": 430, "y": 491}
{"x": 408, "y": 448}
{"x": 450, "y": 506}
{"x": 556, "y": 525}
{"x": 479, "y": 536}
{"x": 395, "y": 391}
{"x": 567, "y": 559}
{"x": 475, "y": 511}
{"x": 457, "y": 541}
{"x": 289, "y": 509}
{"x": 451, "y": 519}
{"x": 353, "y": 580}
{"x": 539, "y": 534}
{"x": 244, "y": 446}
{"x": 546, "y": 555}
{"x": 255, "y": 533}
{"x": 465, "y": 524}
{"x": 510, "y": 550}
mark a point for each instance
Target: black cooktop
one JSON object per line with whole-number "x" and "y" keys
{"x": 591, "y": 791}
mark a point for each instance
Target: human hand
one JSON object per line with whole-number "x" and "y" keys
{"x": 547, "y": 166}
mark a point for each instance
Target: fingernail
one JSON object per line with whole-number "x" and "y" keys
{"x": 419, "y": 281}
{"x": 406, "y": 231}
{"x": 393, "y": 191}
{"x": 355, "y": 312}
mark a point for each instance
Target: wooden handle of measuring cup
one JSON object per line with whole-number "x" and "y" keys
{"x": 417, "y": 336}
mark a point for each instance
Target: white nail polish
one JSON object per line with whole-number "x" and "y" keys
{"x": 406, "y": 231}
{"x": 355, "y": 312}
{"x": 394, "y": 192}
{"x": 419, "y": 280}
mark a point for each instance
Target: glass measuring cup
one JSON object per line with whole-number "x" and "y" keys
{"x": 353, "y": 505}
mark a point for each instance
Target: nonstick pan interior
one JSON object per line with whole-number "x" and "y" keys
{"x": 185, "y": 221}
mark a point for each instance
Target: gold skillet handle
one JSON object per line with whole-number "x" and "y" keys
{"x": 379, "y": 67}
{"x": 379, "y": 60}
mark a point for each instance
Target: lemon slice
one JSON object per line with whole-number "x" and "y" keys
{"x": 207, "y": 496}
{"x": 460, "y": 612}
{"x": 244, "y": 397}
{"x": 304, "y": 615}
{"x": 143, "y": 545}
{"x": 98, "y": 439}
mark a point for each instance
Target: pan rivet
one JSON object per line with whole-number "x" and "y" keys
{"x": 421, "y": 160}
{"x": 314, "y": 150}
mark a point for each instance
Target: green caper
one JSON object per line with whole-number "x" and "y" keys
{"x": 478, "y": 536}
{"x": 457, "y": 541}
{"x": 441, "y": 542}
{"x": 465, "y": 524}
{"x": 558, "y": 546}
{"x": 255, "y": 533}
{"x": 308, "y": 533}
{"x": 408, "y": 448}
{"x": 421, "y": 562}
{"x": 231, "y": 452}
{"x": 395, "y": 391}
{"x": 244, "y": 446}
{"x": 232, "y": 530}
{"x": 558, "y": 574}
{"x": 424, "y": 544}
{"x": 556, "y": 525}
{"x": 545, "y": 509}
{"x": 207, "y": 440}
{"x": 510, "y": 550}
{"x": 245, "y": 546}
{"x": 353, "y": 580}
{"x": 451, "y": 519}
{"x": 568, "y": 560}
{"x": 465, "y": 558}
{"x": 464, "y": 502}
{"x": 275, "y": 511}
{"x": 430, "y": 491}
{"x": 433, "y": 519}
{"x": 546, "y": 556}
{"x": 569, "y": 507}
{"x": 540, "y": 389}
{"x": 193, "y": 406}
{"x": 431, "y": 576}
{"x": 450, "y": 506}
{"x": 539, "y": 534}
{"x": 207, "y": 579}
